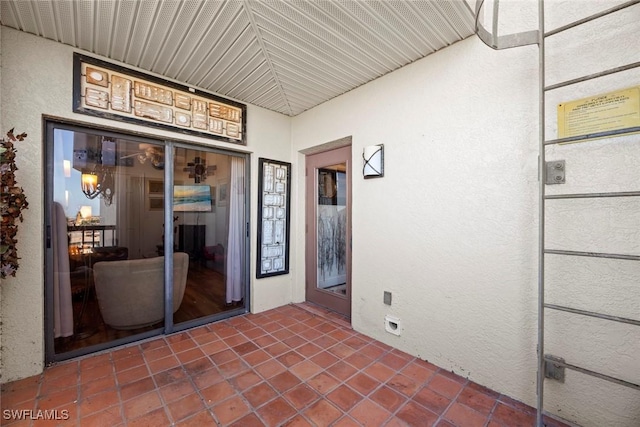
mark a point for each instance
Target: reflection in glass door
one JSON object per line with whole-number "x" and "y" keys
{"x": 106, "y": 283}
{"x": 210, "y": 227}
{"x": 106, "y": 248}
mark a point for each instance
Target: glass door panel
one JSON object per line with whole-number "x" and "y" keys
{"x": 332, "y": 229}
{"x": 105, "y": 261}
{"x": 209, "y": 226}
{"x": 107, "y": 220}
{"x": 328, "y": 237}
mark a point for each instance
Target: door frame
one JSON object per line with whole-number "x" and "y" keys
{"x": 313, "y": 162}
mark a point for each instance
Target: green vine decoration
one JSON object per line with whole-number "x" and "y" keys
{"x": 12, "y": 202}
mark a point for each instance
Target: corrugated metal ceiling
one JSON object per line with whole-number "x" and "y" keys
{"x": 286, "y": 56}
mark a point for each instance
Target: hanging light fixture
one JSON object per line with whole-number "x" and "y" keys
{"x": 153, "y": 153}
{"x": 107, "y": 185}
{"x": 99, "y": 181}
{"x": 89, "y": 183}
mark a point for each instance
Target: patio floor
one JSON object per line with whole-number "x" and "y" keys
{"x": 296, "y": 365}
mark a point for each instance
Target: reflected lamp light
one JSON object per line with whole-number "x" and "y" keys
{"x": 98, "y": 182}
{"x": 89, "y": 183}
{"x": 86, "y": 212}
{"x": 66, "y": 166}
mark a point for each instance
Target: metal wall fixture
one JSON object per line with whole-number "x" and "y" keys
{"x": 198, "y": 169}
{"x": 555, "y": 173}
{"x": 373, "y": 156}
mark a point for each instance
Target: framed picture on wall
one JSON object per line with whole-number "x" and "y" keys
{"x": 274, "y": 203}
{"x": 155, "y": 187}
{"x": 214, "y": 198}
{"x": 223, "y": 193}
{"x": 154, "y": 194}
{"x": 155, "y": 203}
{"x": 192, "y": 198}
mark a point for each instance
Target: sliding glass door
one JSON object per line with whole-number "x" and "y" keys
{"x": 209, "y": 225}
{"x": 115, "y": 265}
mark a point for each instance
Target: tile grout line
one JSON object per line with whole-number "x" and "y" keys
{"x": 118, "y": 388}
{"x": 406, "y": 398}
{"x": 343, "y": 382}
{"x": 285, "y": 331}
{"x": 282, "y": 394}
{"x": 453, "y": 400}
{"x": 301, "y": 411}
{"x": 238, "y": 392}
{"x": 493, "y": 408}
{"x": 165, "y": 404}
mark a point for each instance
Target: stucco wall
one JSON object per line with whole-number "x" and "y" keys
{"x": 452, "y": 228}
{"x": 611, "y": 225}
{"x": 37, "y": 79}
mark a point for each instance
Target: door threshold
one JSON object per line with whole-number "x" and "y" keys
{"x": 325, "y": 313}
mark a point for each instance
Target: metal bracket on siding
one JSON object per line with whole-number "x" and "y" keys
{"x": 552, "y": 370}
{"x": 555, "y": 173}
{"x": 491, "y": 38}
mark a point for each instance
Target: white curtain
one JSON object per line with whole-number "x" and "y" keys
{"x": 62, "y": 306}
{"x": 236, "y": 243}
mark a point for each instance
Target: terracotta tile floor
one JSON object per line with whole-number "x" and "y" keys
{"x": 296, "y": 365}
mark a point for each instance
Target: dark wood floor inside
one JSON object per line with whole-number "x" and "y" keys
{"x": 205, "y": 295}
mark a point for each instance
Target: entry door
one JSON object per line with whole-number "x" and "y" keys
{"x": 328, "y": 229}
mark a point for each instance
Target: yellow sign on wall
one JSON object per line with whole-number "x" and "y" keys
{"x": 600, "y": 113}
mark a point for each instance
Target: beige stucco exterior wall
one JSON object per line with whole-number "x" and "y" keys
{"x": 452, "y": 228}
{"x": 604, "y": 225}
{"x": 37, "y": 78}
